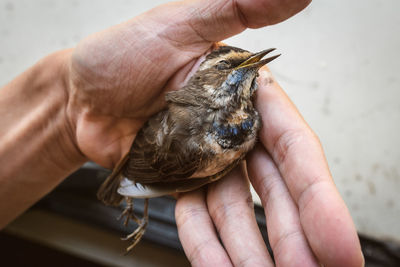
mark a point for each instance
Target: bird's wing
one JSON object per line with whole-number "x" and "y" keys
{"x": 129, "y": 188}
{"x": 157, "y": 155}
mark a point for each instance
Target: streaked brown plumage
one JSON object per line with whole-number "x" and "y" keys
{"x": 207, "y": 128}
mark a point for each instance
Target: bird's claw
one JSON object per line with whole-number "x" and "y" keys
{"x": 136, "y": 235}
{"x": 128, "y": 213}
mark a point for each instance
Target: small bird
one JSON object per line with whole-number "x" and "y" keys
{"x": 207, "y": 128}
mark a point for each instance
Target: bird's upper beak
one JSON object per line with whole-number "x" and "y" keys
{"x": 255, "y": 60}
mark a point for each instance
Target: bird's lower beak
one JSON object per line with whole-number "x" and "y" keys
{"x": 255, "y": 60}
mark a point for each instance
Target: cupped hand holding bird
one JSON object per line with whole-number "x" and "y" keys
{"x": 117, "y": 78}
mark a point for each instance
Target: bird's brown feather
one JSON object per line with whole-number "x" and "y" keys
{"x": 158, "y": 156}
{"x": 108, "y": 190}
{"x": 205, "y": 131}
{"x": 207, "y": 127}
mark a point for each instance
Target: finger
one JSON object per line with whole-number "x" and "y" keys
{"x": 197, "y": 233}
{"x": 300, "y": 159}
{"x": 262, "y": 13}
{"x": 232, "y": 17}
{"x": 285, "y": 233}
{"x": 199, "y": 22}
{"x": 231, "y": 208}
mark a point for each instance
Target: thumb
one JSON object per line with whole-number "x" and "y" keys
{"x": 216, "y": 20}
{"x": 260, "y": 13}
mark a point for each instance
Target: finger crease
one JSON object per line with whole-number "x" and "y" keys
{"x": 268, "y": 184}
{"x": 222, "y": 212}
{"x": 187, "y": 214}
{"x": 284, "y": 143}
{"x": 304, "y": 199}
{"x": 239, "y": 14}
{"x": 191, "y": 25}
{"x": 196, "y": 253}
{"x": 285, "y": 238}
{"x": 245, "y": 262}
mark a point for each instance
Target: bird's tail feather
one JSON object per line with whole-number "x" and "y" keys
{"x": 108, "y": 191}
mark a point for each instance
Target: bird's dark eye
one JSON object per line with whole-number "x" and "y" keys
{"x": 223, "y": 64}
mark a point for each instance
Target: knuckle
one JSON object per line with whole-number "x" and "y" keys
{"x": 269, "y": 187}
{"x": 194, "y": 256}
{"x": 223, "y": 212}
{"x": 186, "y": 214}
{"x": 311, "y": 191}
{"x": 284, "y": 241}
{"x": 290, "y": 139}
{"x": 248, "y": 261}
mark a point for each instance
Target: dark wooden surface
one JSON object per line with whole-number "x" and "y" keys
{"x": 16, "y": 251}
{"x": 76, "y": 198}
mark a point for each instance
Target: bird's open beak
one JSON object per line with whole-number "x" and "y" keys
{"x": 255, "y": 60}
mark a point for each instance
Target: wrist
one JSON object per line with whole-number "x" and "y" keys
{"x": 53, "y": 74}
{"x": 62, "y": 61}
{"x": 33, "y": 111}
{"x": 37, "y": 144}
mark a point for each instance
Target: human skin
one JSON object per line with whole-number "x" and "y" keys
{"x": 87, "y": 103}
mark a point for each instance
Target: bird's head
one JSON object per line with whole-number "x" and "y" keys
{"x": 228, "y": 74}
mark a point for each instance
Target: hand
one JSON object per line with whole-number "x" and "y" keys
{"x": 118, "y": 77}
{"x": 308, "y": 223}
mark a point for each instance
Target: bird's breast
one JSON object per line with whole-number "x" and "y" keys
{"x": 226, "y": 142}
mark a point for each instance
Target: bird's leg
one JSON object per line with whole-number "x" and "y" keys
{"x": 136, "y": 235}
{"x": 128, "y": 212}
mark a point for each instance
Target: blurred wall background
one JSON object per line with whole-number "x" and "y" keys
{"x": 339, "y": 65}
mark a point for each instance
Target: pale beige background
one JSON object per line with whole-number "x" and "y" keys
{"x": 340, "y": 66}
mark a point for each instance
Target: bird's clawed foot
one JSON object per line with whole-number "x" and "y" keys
{"x": 136, "y": 235}
{"x": 128, "y": 212}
